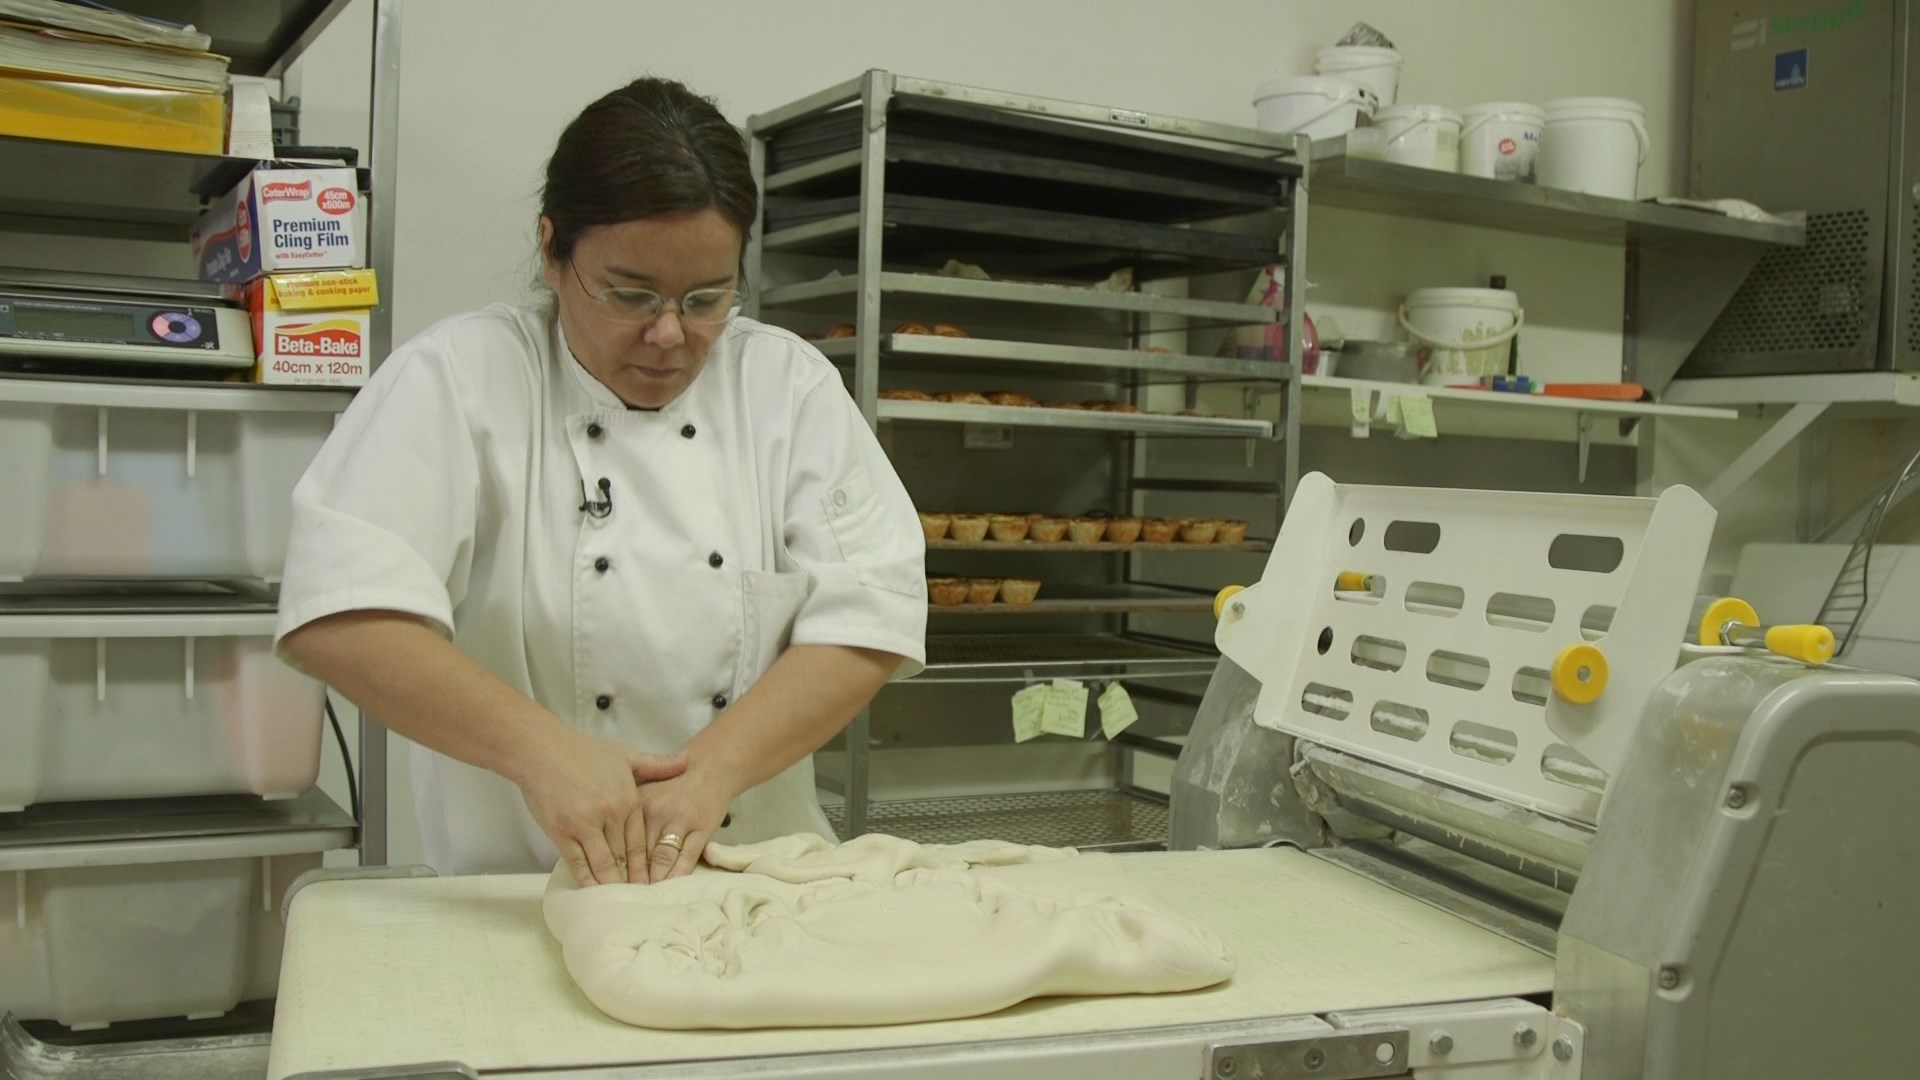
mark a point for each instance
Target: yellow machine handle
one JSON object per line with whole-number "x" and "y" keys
{"x": 1727, "y": 609}
{"x": 1220, "y": 599}
{"x": 1731, "y": 621}
{"x": 1580, "y": 673}
{"x": 1807, "y": 643}
{"x": 1353, "y": 581}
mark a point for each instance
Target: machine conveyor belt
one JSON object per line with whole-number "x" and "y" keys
{"x": 382, "y": 973}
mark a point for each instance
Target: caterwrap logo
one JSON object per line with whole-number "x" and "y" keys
{"x": 282, "y": 191}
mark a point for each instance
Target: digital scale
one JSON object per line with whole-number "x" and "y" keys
{"x": 120, "y": 320}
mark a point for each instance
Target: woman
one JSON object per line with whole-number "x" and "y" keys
{"x": 617, "y": 567}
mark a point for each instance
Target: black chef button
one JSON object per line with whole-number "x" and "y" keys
{"x": 726, "y": 821}
{"x": 603, "y": 703}
{"x": 601, "y": 564}
{"x": 687, "y": 432}
{"x": 719, "y": 701}
{"x": 594, "y": 431}
{"x": 714, "y": 560}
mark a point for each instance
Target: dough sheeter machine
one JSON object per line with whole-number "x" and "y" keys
{"x": 1461, "y": 797}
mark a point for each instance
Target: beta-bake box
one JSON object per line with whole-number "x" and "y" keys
{"x": 310, "y": 329}
{"x": 282, "y": 219}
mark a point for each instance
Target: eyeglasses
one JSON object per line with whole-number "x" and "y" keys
{"x": 705, "y": 307}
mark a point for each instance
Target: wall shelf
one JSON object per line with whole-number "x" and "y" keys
{"x": 1896, "y": 388}
{"x": 1466, "y": 399}
{"x": 1362, "y": 183}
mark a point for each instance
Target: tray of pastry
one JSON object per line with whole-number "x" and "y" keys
{"x": 1026, "y": 596}
{"x": 940, "y": 146}
{"x": 1009, "y": 409}
{"x": 1021, "y": 241}
{"x": 1032, "y": 533}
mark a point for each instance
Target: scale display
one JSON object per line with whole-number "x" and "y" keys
{"x": 135, "y": 329}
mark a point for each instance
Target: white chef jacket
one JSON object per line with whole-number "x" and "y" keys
{"x": 755, "y": 511}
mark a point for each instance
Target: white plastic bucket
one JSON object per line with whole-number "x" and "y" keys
{"x": 1424, "y": 136}
{"x": 1469, "y": 332}
{"x": 1500, "y": 140}
{"x": 1594, "y": 145}
{"x": 1312, "y": 105}
{"x": 1375, "y": 68}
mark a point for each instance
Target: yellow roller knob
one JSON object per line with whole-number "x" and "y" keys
{"x": 1220, "y": 599}
{"x": 1725, "y": 610}
{"x": 1808, "y": 644}
{"x": 1580, "y": 673}
{"x": 1353, "y": 581}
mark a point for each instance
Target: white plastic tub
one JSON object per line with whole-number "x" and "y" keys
{"x": 1500, "y": 140}
{"x": 1469, "y": 332}
{"x": 127, "y": 480}
{"x": 1423, "y": 136}
{"x": 147, "y": 706}
{"x": 1594, "y": 145}
{"x": 93, "y": 934}
{"x": 1312, "y": 105}
{"x": 1375, "y": 68}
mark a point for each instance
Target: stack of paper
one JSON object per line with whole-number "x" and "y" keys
{"x": 54, "y": 39}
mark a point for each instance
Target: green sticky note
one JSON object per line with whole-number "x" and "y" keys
{"x": 1117, "y": 713}
{"x": 1065, "y": 712}
{"x": 1027, "y": 706}
{"x": 1394, "y": 413}
{"x": 1417, "y": 416}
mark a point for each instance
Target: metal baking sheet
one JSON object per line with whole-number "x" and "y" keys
{"x": 1214, "y": 173}
{"x": 1011, "y": 240}
{"x": 462, "y": 969}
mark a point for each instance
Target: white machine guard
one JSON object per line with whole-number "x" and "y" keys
{"x": 1441, "y": 665}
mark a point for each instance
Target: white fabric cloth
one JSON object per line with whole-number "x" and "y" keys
{"x": 796, "y": 932}
{"x": 452, "y": 490}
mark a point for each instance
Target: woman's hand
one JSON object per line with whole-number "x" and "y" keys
{"x": 586, "y": 794}
{"x": 688, "y": 808}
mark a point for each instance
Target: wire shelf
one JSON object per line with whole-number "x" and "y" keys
{"x": 972, "y": 650}
{"x": 1046, "y": 818}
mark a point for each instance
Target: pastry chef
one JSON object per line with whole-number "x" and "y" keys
{"x": 619, "y": 564}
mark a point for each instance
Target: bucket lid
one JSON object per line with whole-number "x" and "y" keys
{"x": 1417, "y": 113}
{"x": 1326, "y": 86}
{"x": 1360, "y": 56}
{"x": 1594, "y": 107}
{"x": 1520, "y": 109}
{"x": 1503, "y": 299}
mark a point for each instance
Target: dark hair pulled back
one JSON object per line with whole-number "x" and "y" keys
{"x": 651, "y": 147}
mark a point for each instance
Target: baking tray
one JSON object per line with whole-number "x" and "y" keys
{"x": 1067, "y": 161}
{"x": 1010, "y": 240}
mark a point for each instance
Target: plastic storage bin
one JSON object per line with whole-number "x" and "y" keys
{"x": 144, "y": 706}
{"x": 120, "y": 480}
{"x": 93, "y": 934}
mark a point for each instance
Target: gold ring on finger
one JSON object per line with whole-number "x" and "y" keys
{"x": 672, "y": 840}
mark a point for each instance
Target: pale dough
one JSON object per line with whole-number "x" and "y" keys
{"x": 798, "y": 932}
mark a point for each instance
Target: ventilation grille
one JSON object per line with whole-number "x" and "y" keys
{"x": 1913, "y": 286}
{"x": 1807, "y": 299}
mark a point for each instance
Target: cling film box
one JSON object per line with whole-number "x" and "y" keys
{"x": 311, "y": 328}
{"x": 278, "y": 220}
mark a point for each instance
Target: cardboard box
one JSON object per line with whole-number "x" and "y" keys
{"x": 311, "y": 329}
{"x": 282, "y": 219}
